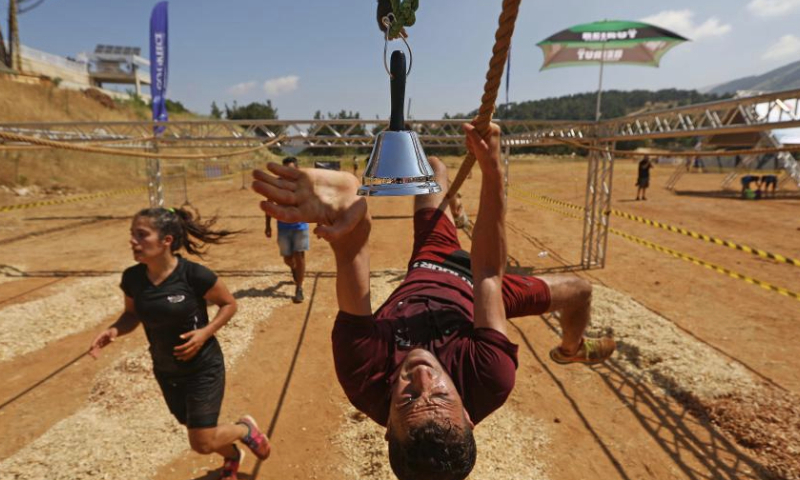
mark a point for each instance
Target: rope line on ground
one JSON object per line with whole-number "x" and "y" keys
{"x": 14, "y": 137}
{"x": 683, "y": 231}
{"x": 79, "y": 198}
{"x": 669, "y": 251}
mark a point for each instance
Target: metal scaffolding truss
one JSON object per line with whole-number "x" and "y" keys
{"x": 754, "y": 114}
{"x": 739, "y": 115}
{"x": 297, "y": 133}
{"x": 597, "y": 207}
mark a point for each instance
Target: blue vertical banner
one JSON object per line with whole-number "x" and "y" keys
{"x": 158, "y": 63}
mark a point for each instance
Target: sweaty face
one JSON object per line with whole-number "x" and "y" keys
{"x": 145, "y": 241}
{"x": 423, "y": 392}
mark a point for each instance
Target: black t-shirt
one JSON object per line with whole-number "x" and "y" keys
{"x": 644, "y": 168}
{"x": 168, "y": 310}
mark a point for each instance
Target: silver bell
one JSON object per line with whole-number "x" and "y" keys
{"x": 398, "y": 165}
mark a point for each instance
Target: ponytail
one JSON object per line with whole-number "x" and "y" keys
{"x": 187, "y": 230}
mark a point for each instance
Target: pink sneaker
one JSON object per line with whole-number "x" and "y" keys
{"x": 230, "y": 469}
{"x": 257, "y": 442}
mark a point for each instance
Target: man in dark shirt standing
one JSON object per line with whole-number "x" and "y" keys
{"x": 434, "y": 359}
{"x": 643, "y": 178}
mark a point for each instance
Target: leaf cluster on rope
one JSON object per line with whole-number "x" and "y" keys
{"x": 404, "y": 12}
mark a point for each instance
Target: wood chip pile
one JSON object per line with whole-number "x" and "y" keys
{"x": 125, "y": 426}
{"x": 29, "y": 326}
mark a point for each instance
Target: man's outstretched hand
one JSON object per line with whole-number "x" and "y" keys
{"x": 325, "y": 197}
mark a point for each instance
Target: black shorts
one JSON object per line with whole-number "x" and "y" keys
{"x": 643, "y": 182}
{"x": 195, "y": 400}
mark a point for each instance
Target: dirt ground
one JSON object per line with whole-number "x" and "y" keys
{"x": 691, "y": 339}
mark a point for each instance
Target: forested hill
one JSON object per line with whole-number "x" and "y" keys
{"x": 616, "y": 103}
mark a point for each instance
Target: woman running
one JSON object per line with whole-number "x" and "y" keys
{"x": 168, "y": 294}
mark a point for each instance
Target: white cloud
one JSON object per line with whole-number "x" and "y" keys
{"x": 682, "y": 22}
{"x": 242, "y": 88}
{"x": 787, "y": 46}
{"x": 281, "y": 85}
{"x": 772, "y": 8}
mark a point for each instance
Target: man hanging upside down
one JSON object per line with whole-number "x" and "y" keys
{"x": 434, "y": 360}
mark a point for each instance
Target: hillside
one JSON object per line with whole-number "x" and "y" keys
{"x": 786, "y": 77}
{"x": 42, "y": 171}
{"x": 616, "y": 103}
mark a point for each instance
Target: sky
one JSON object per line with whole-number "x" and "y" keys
{"x": 309, "y": 55}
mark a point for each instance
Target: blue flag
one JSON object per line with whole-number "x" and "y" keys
{"x": 158, "y": 63}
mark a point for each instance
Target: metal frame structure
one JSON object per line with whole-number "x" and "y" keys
{"x": 755, "y": 114}
{"x": 597, "y": 207}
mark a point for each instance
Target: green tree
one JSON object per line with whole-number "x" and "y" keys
{"x": 254, "y": 111}
{"x": 215, "y": 111}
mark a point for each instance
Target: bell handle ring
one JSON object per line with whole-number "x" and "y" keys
{"x": 398, "y": 87}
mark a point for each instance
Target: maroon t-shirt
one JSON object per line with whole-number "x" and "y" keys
{"x": 431, "y": 309}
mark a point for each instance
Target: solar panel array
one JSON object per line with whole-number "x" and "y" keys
{"x": 117, "y": 50}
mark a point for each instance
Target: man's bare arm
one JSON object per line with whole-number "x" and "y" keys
{"x": 489, "y": 235}
{"x": 329, "y": 199}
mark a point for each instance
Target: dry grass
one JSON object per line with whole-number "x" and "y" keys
{"x": 652, "y": 348}
{"x": 25, "y": 327}
{"x": 125, "y": 426}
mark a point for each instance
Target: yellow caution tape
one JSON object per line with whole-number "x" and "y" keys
{"x": 730, "y": 273}
{"x": 697, "y": 261}
{"x": 709, "y": 238}
{"x": 682, "y": 231}
{"x": 78, "y": 198}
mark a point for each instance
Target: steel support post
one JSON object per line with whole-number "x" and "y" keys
{"x": 185, "y": 186}
{"x": 606, "y": 176}
{"x": 590, "y": 203}
{"x": 505, "y": 171}
{"x": 155, "y": 180}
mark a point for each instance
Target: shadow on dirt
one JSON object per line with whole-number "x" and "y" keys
{"x": 676, "y": 424}
{"x": 273, "y": 291}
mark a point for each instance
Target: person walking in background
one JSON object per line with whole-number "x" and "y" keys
{"x": 768, "y": 183}
{"x": 355, "y": 165}
{"x": 643, "y": 178}
{"x": 293, "y": 242}
{"x": 747, "y": 182}
{"x": 167, "y": 294}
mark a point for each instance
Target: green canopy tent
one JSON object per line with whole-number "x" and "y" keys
{"x": 615, "y": 42}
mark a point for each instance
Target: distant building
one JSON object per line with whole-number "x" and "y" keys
{"x": 108, "y": 65}
{"x": 119, "y": 65}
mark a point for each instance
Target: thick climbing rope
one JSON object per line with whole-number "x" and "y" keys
{"x": 667, "y": 153}
{"x": 99, "y": 143}
{"x": 14, "y": 137}
{"x": 505, "y": 31}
